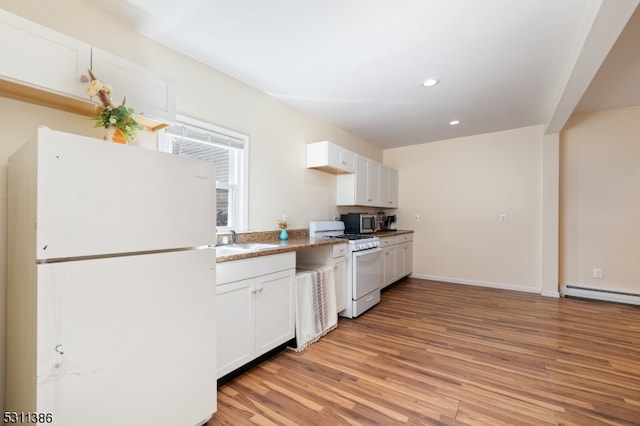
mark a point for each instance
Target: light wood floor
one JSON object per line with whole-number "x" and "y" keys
{"x": 443, "y": 354}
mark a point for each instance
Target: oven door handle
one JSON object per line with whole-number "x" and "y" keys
{"x": 366, "y": 252}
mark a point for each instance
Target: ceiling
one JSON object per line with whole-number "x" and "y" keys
{"x": 359, "y": 64}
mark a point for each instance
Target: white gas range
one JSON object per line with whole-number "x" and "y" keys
{"x": 364, "y": 266}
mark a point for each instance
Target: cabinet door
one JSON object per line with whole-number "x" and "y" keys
{"x": 340, "y": 159}
{"x": 47, "y": 59}
{"x": 392, "y": 182}
{"x": 236, "y": 325}
{"x": 389, "y": 265}
{"x": 275, "y": 310}
{"x": 330, "y": 158}
{"x": 347, "y": 161}
{"x": 404, "y": 259}
{"x": 384, "y": 187}
{"x": 388, "y": 187}
{"x": 150, "y": 94}
{"x": 408, "y": 258}
{"x": 361, "y": 181}
{"x": 373, "y": 183}
{"x": 340, "y": 275}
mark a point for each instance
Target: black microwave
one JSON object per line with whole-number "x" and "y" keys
{"x": 358, "y": 223}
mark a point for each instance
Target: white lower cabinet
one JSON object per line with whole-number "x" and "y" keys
{"x": 275, "y": 310}
{"x": 339, "y": 254}
{"x": 236, "y": 325}
{"x": 336, "y": 256}
{"x": 256, "y": 311}
{"x": 397, "y": 252}
{"x": 404, "y": 259}
{"x": 389, "y": 266}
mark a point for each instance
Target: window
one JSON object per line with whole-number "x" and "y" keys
{"x": 229, "y": 150}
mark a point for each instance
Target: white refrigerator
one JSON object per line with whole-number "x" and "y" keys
{"x": 111, "y": 284}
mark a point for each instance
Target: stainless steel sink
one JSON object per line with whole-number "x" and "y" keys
{"x": 243, "y": 247}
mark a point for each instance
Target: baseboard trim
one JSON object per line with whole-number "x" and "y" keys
{"x": 484, "y": 284}
{"x": 598, "y": 294}
{"x": 548, "y": 293}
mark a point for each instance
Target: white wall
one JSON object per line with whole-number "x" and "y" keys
{"x": 278, "y": 181}
{"x": 600, "y": 200}
{"x": 458, "y": 188}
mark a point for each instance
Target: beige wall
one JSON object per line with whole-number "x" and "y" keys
{"x": 600, "y": 200}
{"x": 278, "y": 180}
{"x": 458, "y": 188}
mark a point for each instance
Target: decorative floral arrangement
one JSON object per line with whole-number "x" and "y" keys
{"x": 282, "y": 224}
{"x": 109, "y": 115}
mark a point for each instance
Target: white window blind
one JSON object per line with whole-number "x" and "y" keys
{"x": 229, "y": 151}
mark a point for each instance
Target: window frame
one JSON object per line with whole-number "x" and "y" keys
{"x": 239, "y": 171}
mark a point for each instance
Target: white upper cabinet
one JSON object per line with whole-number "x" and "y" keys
{"x": 149, "y": 94}
{"x": 388, "y": 187}
{"x": 43, "y": 66}
{"x": 372, "y": 185}
{"x": 39, "y": 57}
{"x": 361, "y": 182}
{"x": 331, "y": 158}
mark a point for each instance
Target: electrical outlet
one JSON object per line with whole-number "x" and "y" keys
{"x": 597, "y": 273}
{"x": 502, "y": 217}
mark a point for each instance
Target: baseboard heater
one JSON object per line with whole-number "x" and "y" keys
{"x": 607, "y": 295}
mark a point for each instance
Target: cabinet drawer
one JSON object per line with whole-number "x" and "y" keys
{"x": 387, "y": 241}
{"x": 237, "y": 270}
{"x": 361, "y": 305}
{"x": 339, "y": 250}
{"x": 404, "y": 238}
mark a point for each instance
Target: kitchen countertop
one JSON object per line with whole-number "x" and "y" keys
{"x": 382, "y": 234}
{"x": 292, "y": 244}
{"x": 298, "y": 240}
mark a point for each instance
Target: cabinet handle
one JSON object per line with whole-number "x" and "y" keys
{"x": 60, "y": 351}
{"x": 254, "y": 291}
{"x": 84, "y": 78}
{"x": 260, "y": 289}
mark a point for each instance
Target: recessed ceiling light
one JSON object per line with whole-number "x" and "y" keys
{"x": 454, "y": 122}
{"x": 430, "y": 82}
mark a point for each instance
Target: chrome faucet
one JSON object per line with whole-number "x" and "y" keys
{"x": 233, "y": 236}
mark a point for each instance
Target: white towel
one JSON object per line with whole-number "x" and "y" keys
{"x": 316, "y": 311}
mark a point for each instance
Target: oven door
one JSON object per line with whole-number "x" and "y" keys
{"x": 367, "y": 272}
